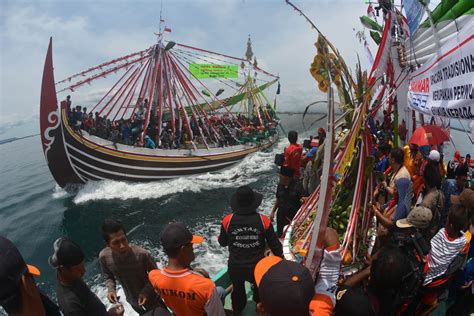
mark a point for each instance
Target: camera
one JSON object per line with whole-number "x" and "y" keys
{"x": 279, "y": 159}
{"x": 414, "y": 241}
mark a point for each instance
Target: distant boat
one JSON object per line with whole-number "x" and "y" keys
{"x": 203, "y": 133}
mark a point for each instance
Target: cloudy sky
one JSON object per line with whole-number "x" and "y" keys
{"x": 86, "y": 33}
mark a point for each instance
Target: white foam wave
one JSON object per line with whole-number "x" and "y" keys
{"x": 59, "y": 193}
{"x": 245, "y": 172}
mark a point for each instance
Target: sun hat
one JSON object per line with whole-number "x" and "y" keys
{"x": 419, "y": 217}
{"x": 245, "y": 200}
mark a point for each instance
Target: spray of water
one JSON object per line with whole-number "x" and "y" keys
{"x": 245, "y": 172}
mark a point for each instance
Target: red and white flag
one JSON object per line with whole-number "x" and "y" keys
{"x": 167, "y": 29}
{"x": 370, "y": 11}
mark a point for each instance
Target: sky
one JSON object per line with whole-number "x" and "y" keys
{"x": 86, "y": 33}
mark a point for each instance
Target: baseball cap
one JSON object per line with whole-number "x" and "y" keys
{"x": 285, "y": 287}
{"x": 466, "y": 198}
{"x": 419, "y": 217}
{"x": 176, "y": 235}
{"x": 353, "y": 301}
{"x": 434, "y": 155}
{"x": 12, "y": 268}
{"x": 66, "y": 253}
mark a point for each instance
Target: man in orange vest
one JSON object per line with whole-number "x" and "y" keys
{"x": 185, "y": 292}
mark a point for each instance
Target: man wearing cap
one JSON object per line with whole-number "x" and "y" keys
{"x": 74, "y": 296}
{"x": 287, "y": 287}
{"x": 293, "y": 154}
{"x": 419, "y": 217}
{"x": 246, "y": 233}
{"x": 18, "y": 292}
{"x": 185, "y": 292}
{"x": 288, "y": 199}
{"x": 453, "y": 165}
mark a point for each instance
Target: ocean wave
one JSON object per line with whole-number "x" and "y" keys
{"x": 59, "y": 193}
{"x": 245, "y": 172}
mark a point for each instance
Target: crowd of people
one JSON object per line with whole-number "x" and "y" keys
{"x": 217, "y": 130}
{"x": 425, "y": 219}
{"x": 421, "y": 263}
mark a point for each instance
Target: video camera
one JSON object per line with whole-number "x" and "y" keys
{"x": 414, "y": 241}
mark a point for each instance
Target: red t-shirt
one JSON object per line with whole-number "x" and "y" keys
{"x": 293, "y": 155}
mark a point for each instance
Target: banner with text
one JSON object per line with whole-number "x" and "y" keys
{"x": 443, "y": 86}
{"x": 201, "y": 71}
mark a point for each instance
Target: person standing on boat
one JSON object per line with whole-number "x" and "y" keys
{"x": 400, "y": 188}
{"x": 246, "y": 233}
{"x": 293, "y": 154}
{"x": 74, "y": 296}
{"x": 68, "y": 104}
{"x": 288, "y": 199}
{"x": 129, "y": 265}
{"x": 185, "y": 292}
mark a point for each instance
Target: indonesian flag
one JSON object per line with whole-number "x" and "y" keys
{"x": 370, "y": 11}
{"x": 383, "y": 54}
{"x": 167, "y": 29}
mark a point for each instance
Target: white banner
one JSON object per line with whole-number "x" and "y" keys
{"x": 443, "y": 86}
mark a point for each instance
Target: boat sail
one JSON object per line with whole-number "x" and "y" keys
{"x": 173, "y": 110}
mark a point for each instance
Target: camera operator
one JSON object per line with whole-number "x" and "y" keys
{"x": 377, "y": 289}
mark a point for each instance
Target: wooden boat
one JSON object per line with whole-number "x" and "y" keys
{"x": 187, "y": 109}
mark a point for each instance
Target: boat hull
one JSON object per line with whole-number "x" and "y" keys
{"x": 94, "y": 161}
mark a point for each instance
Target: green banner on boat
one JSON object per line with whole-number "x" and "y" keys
{"x": 213, "y": 71}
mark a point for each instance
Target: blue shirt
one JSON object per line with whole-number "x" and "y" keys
{"x": 404, "y": 189}
{"x": 382, "y": 165}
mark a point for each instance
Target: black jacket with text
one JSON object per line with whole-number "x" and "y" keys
{"x": 247, "y": 235}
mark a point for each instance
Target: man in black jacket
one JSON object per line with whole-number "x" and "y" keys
{"x": 288, "y": 199}
{"x": 246, "y": 233}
